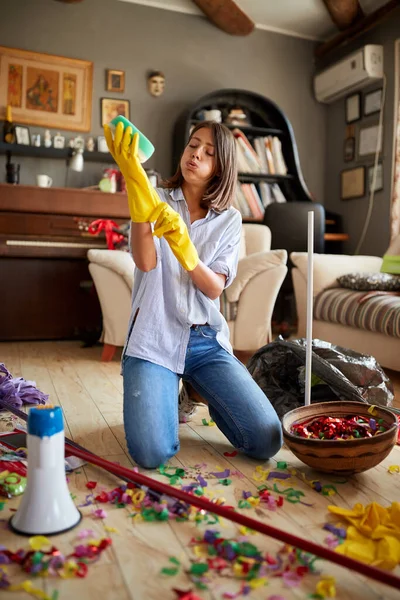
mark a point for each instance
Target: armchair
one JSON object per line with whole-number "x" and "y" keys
{"x": 247, "y": 304}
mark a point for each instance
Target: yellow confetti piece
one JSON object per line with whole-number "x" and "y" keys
{"x": 27, "y": 586}
{"x": 261, "y": 474}
{"x": 257, "y": 583}
{"x": 394, "y": 469}
{"x": 111, "y": 529}
{"x": 326, "y": 587}
{"x": 253, "y": 501}
{"x": 200, "y": 551}
{"x": 4, "y": 474}
{"x": 94, "y": 543}
{"x": 137, "y": 497}
{"x": 238, "y": 570}
{"x": 372, "y": 410}
{"x": 246, "y": 531}
{"x": 37, "y": 542}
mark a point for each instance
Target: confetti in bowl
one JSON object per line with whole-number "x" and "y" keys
{"x": 354, "y": 454}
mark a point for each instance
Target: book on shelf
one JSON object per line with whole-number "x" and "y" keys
{"x": 252, "y": 200}
{"x": 264, "y": 156}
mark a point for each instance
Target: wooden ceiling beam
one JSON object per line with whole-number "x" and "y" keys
{"x": 226, "y": 15}
{"x": 359, "y": 28}
{"x": 344, "y": 12}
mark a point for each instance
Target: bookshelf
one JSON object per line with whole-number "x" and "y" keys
{"x": 266, "y": 120}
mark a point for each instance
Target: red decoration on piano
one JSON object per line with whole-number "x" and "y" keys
{"x": 110, "y": 229}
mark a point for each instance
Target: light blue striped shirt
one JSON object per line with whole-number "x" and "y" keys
{"x": 165, "y": 301}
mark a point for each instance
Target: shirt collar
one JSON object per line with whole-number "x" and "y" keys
{"x": 177, "y": 194}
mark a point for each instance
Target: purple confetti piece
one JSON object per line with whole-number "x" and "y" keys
{"x": 210, "y": 536}
{"x": 372, "y": 424}
{"x": 4, "y": 560}
{"x": 189, "y": 488}
{"x": 317, "y": 486}
{"x": 246, "y": 590}
{"x": 202, "y": 481}
{"x": 338, "y": 531}
{"x": 246, "y": 495}
{"x": 278, "y": 475}
{"x": 222, "y": 474}
{"x": 230, "y": 554}
{"x": 291, "y": 579}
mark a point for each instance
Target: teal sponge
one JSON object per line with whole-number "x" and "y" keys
{"x": 146, "y": 148}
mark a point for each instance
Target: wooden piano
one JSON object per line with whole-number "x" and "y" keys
{"x": 46, "y": 288}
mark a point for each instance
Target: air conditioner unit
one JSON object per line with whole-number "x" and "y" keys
{"x": 352, "y": 73}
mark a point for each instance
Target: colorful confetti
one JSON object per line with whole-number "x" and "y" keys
{"x": 241, "y": 560}
{"x": 338, "y": 428}
{"x": 50, "y": 562}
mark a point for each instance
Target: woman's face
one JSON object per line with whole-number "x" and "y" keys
{"x": 198, "y": 159}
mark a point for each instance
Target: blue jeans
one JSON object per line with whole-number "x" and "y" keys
{"x": 236, "y": 403}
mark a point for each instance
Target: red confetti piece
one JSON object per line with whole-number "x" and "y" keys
{"x": 91, "y": 485}
{"x": 230, "y": 454}
{"x": 186, "y": 595}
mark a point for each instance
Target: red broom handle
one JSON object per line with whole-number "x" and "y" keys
{"x": 203, "y": 503}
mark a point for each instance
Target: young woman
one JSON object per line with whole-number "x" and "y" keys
{"x": 185, "y": 243}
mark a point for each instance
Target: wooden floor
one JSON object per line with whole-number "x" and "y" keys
{"x": 90, "y": 393}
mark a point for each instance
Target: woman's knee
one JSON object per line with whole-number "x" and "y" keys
{"x": 151, "y": 457}
{"x": 266, "y": 441}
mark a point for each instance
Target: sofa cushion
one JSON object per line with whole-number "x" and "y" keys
{"x": 373, "y": 311}
{"x": 370, "y": 281}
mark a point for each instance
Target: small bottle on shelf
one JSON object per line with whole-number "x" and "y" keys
{"x": 9, "y": 127}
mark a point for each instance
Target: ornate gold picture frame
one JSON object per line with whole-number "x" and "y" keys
{"x": 46, "y": 90}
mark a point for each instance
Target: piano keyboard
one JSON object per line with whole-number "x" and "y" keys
{"x": 51, "y": 244}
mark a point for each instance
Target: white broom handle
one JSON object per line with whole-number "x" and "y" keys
{"x": 310, "y": 285}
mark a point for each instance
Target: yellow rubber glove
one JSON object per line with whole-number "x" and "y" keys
{"x": 142, "y": 197}
{"x": 169, "y": 224}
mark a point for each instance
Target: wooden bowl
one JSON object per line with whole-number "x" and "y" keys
{"x": 346, "y": 457}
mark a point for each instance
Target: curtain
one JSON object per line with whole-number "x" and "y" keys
{"x": 395, "y": 204}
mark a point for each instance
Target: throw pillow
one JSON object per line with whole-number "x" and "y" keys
{"x": 391, "y": 259}
{"x": 370, "y": 281}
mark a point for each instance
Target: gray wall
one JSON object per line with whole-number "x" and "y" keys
{"x": 355, "y": 211}
{"x": 196, "y": 57}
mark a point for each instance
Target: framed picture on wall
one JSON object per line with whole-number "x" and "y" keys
{"x": 115, "y": 80}
{"x": 370, "y": 140}
{"x": 373, "y": 102}
{"x": 349, "y": 149}
{"x": 111, "y": 108}
{"x": 353, "y": 108}
{"x": 378, "y": 178}
{"x": 22, "y": 135}
{"x": 46, "y": 90}
{"x": 352, "y": 183}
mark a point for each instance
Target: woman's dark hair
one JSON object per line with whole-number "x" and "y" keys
{"x": 221, "y": 189}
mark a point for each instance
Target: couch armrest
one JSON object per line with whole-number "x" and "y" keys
{"x": 328, "y": 267}
{"x": 252, "y": 265}
{"x": 116, "y": 260}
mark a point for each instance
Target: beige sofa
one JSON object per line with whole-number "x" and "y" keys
{"x": 247, "y": 303}
{"x": 327, "y": 267}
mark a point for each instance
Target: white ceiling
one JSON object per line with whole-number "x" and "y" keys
{"x": 307, "y": 19}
